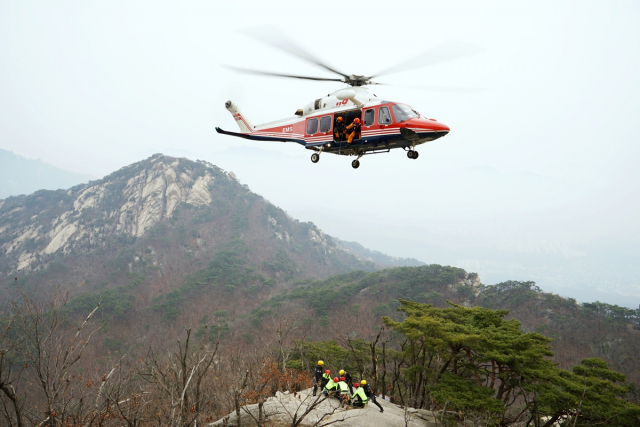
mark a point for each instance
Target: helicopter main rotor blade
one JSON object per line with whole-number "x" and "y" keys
{"x": 449, "y": 51}
{"x": 267, "y": 73}
{"x": 275, "y": 38}
{"x": 445, "y": 89}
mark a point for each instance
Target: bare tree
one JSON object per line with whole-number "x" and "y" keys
{"x": 10, "y": 371}
{"x": 178, "y": 380}
{"x": 284, "y": 326}
{"x": 39, "y": 353}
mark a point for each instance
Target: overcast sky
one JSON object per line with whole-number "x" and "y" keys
{"x": 538, "y": 179}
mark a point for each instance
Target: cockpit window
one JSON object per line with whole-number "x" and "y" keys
{"x": 403, "y": 112}
{"x": 369, "y": 117}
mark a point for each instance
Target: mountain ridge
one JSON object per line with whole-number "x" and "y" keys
{"x": 20, "y": 175}
{"x": 128, "y": 202}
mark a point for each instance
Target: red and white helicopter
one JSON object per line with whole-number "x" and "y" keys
{"x": 385, "y": 125}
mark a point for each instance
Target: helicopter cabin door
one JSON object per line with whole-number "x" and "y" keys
{"x": 347, "y": 118}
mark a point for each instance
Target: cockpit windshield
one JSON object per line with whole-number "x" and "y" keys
{"x": 403, "y": 112}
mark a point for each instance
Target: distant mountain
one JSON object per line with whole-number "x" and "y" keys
{"x": 377, "y": 257}
{"x": 19, "y": 175}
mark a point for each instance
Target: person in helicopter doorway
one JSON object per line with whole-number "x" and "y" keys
{"x": 339, "y": 129}
{"x": 353, "y": 130}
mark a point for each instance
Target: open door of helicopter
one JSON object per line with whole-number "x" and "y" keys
{"x": 347, "y": 118}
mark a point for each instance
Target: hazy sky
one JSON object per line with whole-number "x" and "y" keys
{"x": 538, "y": 179}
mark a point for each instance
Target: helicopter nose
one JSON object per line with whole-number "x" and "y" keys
{"x": 434, "y": 125}
{"x": 440, "y": 127}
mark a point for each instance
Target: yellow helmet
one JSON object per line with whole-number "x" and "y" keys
{"x": 320, "y": 362}
{"x": 363, "y": 382}
{"x": 341, "y": 372}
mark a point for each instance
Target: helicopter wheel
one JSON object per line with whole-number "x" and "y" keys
{"x": 410, "y": 154}
{"x": 355, "y": 164}
{"x": 415, "y": 155}
{"x": 315, "y": 157}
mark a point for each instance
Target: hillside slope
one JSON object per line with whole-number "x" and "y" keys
{"x": 351, "y": 305}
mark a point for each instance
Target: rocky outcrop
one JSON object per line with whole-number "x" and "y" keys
{"x": 280, "y": 410}
{"x": 131, "y": 201}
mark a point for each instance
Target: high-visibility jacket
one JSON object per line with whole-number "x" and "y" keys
{"x": 326, "y": 376}
{"x": 330, "y": 385}
{"x": 360, "y": 392}
{"x": 344, "y": 388}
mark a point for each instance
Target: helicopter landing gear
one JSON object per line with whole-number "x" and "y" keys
{"x": 315, "y": 157}
{"x": 412, "y": 154}
{"x": 356, "y": 163}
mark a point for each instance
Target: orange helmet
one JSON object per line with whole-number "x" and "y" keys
{"x": 341, "y": 378}
{"x": 335, "y": 380}
{"x": 356, "y": 120}
{"x": 356, "y": 385}
{"x": 340, "y": 119}
{"x": 327, "y": 372}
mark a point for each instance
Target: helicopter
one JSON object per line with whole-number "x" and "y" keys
{"x": 384, "y": 125}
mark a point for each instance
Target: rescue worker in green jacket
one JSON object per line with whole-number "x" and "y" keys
{"x": 344, "y": 390}
{"x": 326, "y": 377}
{"x": 347, "y": 378}
{"x": 332, "y": 387}
{"x": 359, "y": 398}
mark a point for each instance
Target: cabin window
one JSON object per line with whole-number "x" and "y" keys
{"x": 316, "y": 104}
{"x": 369, "y": 117}
{"x": 325, "y": 124}
{"x": 403, "y": 112}
{"x": 312, "y": 126}
{"x": 384, "y": 116}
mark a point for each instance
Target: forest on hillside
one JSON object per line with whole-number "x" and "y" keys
{"x": 471, "y": 364}
{"x": 162, "y": 309}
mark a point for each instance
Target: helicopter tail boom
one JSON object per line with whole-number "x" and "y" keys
{"x": 243, "y": 123}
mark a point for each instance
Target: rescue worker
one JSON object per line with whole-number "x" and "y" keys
{"x": 326, "y": 377}
{"x": 344, "y": 390}
{"x": 348, "y": 379}
{"x": 359, "y": 398}
{"x": 318, "y": 376}
{"x": 331, "y": 388}
{"x": 355, "y": 130}
{"x": 370, "y": 394}
{"x": 339, "y": 129}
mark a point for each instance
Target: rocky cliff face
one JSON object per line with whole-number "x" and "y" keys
{"x": 130, "y": 202}
{"x": 37, "y": 228}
